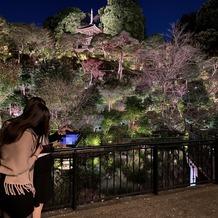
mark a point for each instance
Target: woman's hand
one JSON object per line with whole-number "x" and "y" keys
{"x": 58, "y": 144}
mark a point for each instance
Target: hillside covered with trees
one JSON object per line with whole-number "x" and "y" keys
{"x": 124, "y": 85}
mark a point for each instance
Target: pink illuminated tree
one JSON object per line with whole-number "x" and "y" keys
{"x": 92, "y": 66}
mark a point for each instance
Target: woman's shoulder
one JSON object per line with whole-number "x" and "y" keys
{"x": 28, "y": 138}
{"x": 30, "y": 131}
{"x": 28, "y": 135}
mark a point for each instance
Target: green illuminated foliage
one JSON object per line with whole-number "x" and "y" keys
{"x": 121, "y": 15}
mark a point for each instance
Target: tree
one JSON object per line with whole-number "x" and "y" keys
{"x": 35, "y": 42}
{"x": 172, "y": 66}
{"x": 112, "y": 95}
{"x": 52, "y": 22}
{"x": 99, "y": 43}
{"x": 9, "y": 80}
{"x": 209, "y": 76}
{"x": 68, "y": 43}
{"x": 121, "y": 15}
{"x": 139, "y": 51}
{"x": 4, "y": 39}
{"x": 207, "y": 16}
{"x": 204, "y": 25}
{"x": 207, "y": 27}
{"x": 65, "y": 21}
{"x": 135, "y": 112}
{"x": 63, "y": 87}
{"x": 189, "y": 21}
{"x": 118, "y": 48}
{"x": 91, "y": 66}
{"x": 208, "y": 41}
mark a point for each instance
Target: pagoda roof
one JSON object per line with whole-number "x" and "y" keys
{"x": 89, "y": 28}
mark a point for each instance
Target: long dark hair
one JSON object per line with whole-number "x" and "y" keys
{"x": 34, "y": 100}
{"x": 35, "y": 117}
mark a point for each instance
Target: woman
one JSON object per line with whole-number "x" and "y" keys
{"x": 43, "y": 166}
{"x": 20, "y": 145}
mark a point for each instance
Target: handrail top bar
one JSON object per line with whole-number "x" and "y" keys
{"x": 133, "y": 145}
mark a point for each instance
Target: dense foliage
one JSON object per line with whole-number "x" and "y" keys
{"x": 120, "y": 86}
{"x": 121, "y": 15}
{"x": 204, "y": 26}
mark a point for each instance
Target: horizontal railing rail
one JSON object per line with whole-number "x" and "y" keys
{"x": 85, "y": 175}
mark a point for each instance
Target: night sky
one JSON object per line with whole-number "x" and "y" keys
{"x": 159, "y": 14}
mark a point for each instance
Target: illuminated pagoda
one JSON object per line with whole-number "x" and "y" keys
{"x": 89, "y": 30}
